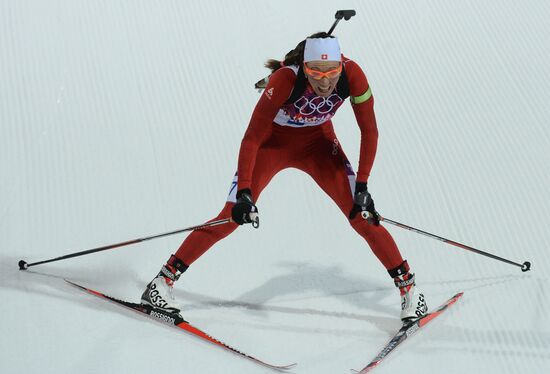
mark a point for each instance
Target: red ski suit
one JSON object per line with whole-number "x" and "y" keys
{"x": 300, "y": 135}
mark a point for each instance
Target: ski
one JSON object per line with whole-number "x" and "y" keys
{"x": 177, "y": 321}
{"x": 407, "y": 330}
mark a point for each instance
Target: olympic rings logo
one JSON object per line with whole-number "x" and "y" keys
{"x": 321, "y": 105}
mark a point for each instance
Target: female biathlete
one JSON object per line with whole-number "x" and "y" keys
{"x": 291, "y": 127}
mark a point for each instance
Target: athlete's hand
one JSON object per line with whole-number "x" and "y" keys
{"x": 364, "y": 204}
{"x": 244, "y": 210}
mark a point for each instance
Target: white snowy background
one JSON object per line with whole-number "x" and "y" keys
{"x": 121, "y": 119}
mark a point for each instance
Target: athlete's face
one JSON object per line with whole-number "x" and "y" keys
{"x": 324, "y": 86}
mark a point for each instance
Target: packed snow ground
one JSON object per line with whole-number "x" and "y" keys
{"x": 121, "y": 119}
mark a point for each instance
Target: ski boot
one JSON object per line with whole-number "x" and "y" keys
{"x": 158, "y": 292}
{"x": 413, "y": 303}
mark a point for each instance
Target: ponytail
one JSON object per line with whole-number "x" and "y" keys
{"x": 295, "y": 56}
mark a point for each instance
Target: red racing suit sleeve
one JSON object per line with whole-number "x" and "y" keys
{"x": 363, "y": 107}
{"x": 273, "y": 98}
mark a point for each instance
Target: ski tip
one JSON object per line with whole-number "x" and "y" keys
{"x": 282, "y": 368}
{"x": 286, "y": 367}
{"x": 364, "y": 371}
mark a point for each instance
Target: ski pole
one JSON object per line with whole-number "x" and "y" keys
{"x": 526, "y": 266}
{"x": 24, "y": 265}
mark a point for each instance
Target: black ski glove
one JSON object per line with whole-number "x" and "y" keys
{"x": 364, "y": 203}
{"x": 244, "y": 210}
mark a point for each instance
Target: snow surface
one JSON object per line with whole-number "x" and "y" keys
{"x": 121, "y": 119}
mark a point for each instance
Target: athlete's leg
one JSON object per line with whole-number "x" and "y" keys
{"x": 269, "y": 161}
{"x": 329, "y": 167}
{"x": 158, "y": 293}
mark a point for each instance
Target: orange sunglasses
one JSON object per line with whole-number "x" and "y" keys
{"x": 318, "y": 75}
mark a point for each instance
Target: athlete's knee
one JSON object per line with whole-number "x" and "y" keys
{"x": 226, "y": 228}
{"x": 363, "y": 226}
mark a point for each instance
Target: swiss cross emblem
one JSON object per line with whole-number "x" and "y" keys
{"x": 324, "y": 57}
